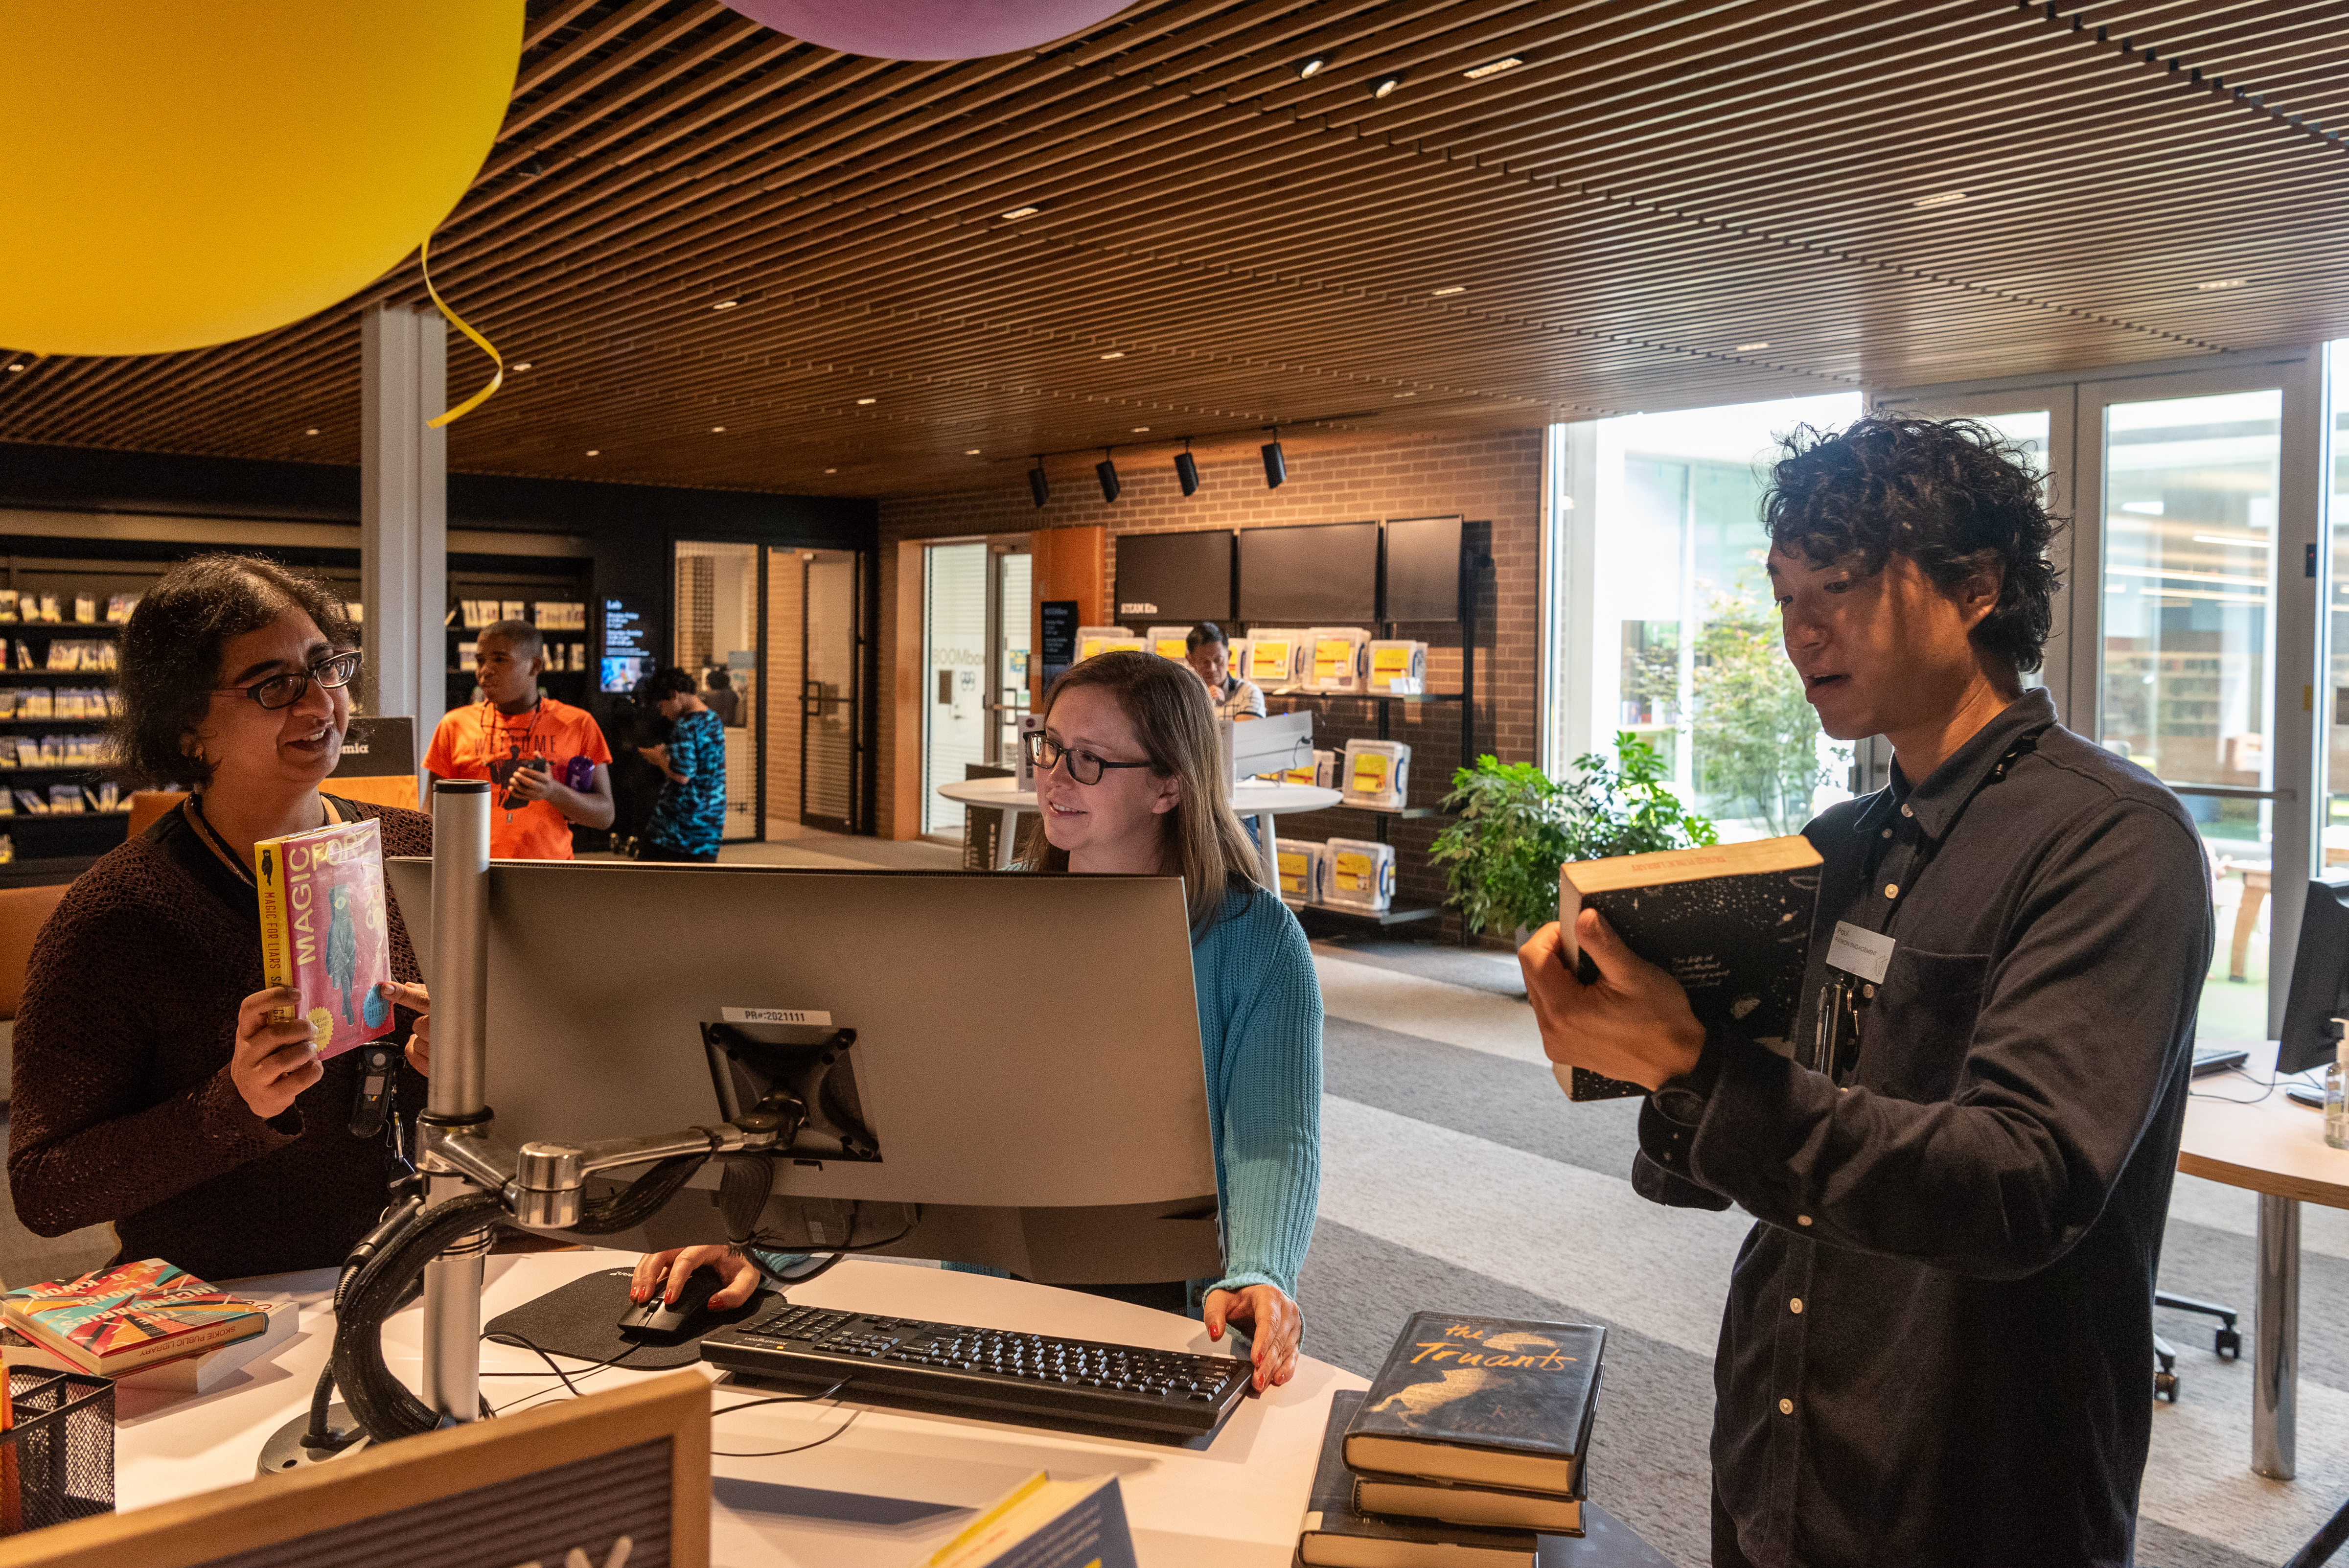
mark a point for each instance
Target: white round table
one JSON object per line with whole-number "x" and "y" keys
{"x": 1256, "y": 799}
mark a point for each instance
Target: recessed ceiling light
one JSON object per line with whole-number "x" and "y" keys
{"x": 1114, "y": 354}
{"x": 831, "y": 471}
{"x": 1139, "y": 429}
{"x": 1016, "y": 213}
{"x": 862, "y": 402}
{"x": 1493, "y": 67}
{"x": 972, "y": 452}
{"x": 1942, "y": 199}
{"x": 2215, "y": 283}
{"x": 1311, "y": 65}
{"x": 312, "y": 431}
{"x": 592, "y": 451}
{"x": 1406, "y": 394}
{"x": 1447, "y": 293}
{"x": 1385, "y": 86}
{"x": 1752, "y": 347}
{"x": 523, "y": 366}
{"x": 726, "y": 305}
{"x": 14, "y": 369}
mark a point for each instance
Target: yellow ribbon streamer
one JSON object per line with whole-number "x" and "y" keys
{"x": 497, "y": 380}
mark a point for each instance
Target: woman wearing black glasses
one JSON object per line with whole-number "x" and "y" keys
{"x": 150, "y": 1091}
{"x": 1129, "y": 780}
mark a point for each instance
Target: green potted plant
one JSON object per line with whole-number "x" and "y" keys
{"x": 1516, "y": 826}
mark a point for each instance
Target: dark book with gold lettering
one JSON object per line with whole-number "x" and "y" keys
{"x": 1485, "y": 1401}
{"x": 1336, "y": 1535}
{"x": 1731, "y": 921}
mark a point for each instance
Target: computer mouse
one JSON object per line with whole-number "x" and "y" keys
{"x": 658, "y": 1322}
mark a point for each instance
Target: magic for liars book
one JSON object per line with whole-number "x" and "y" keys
{"x": 324, "y": 931}
{"x": 1732, "y": 922}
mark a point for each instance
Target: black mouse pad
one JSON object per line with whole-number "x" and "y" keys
{"x": 582, "y": 1321}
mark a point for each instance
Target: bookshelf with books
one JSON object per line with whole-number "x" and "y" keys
{"x": 555, "y": 602}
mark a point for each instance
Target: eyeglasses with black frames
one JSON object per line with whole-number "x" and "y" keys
{"x": 334, "y": 671}
{"x": 1084, "y": 766}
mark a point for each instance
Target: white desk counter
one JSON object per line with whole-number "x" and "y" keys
{"x": 1260, "y": 800}
{"x": 892, "y": 1487}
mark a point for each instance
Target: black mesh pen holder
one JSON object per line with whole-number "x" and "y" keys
{"x": 59, "y": 1458}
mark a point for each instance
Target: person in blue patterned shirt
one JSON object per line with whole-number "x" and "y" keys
{"x": 689, "y": 819}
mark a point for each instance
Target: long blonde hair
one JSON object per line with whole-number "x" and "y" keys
{"x": 1170, "y": 711}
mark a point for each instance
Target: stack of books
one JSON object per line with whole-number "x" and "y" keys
{"x": 1470, "y": 1445}
{"x": 150, "y": 1323}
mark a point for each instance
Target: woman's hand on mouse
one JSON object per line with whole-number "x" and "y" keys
{"x": 1274, "y": 1326}
{"x": 667, "y": 1272}
{"x": 272, "y": 1063}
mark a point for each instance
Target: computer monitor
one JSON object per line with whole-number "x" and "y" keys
{"x": 1318, "y": 574}
{"x": 1423, "y": 569}
{"x": 2320, "y": 979}
{"x": 1024, "y": 1088}
{"x": 1176, "y": 577}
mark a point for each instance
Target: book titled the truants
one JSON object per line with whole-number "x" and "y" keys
{"x": 323, "y": 931}
{"x": 111, "y": 1321}
{"x": 1732, "y": 922}
{"x": 1488, "y": 1401}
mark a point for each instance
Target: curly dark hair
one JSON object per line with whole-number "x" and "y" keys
{"x": 670, "y": 682}
{"x": 172, "y": 654}
{"x": 1952, "y": 496}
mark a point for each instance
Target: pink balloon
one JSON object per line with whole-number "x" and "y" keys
{"x": 928, "y": 29}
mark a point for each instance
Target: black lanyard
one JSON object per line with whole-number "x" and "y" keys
{"x": 1844, "y": 999}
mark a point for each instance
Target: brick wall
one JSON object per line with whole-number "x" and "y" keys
{"x": 1492, "y": 480}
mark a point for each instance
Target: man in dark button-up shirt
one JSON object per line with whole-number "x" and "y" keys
{"x": 1938, "y": 1343}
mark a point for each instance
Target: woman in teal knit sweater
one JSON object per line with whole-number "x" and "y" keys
{"x": 1128, "y": 782}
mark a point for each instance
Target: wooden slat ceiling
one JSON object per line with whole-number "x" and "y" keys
{"x": 1669, "y": 201}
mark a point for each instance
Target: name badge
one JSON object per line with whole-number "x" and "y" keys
{"x": 1857, "y": 951}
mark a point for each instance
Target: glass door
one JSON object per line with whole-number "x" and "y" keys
{"x": 829, "y": 776}
{"x": 718, "y": 642}
{"x": 2194, "y": 644}
{"x": 955, "y": 663}
{"x": 1007, "y": 700}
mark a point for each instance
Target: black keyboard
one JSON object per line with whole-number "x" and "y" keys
{"x": 991, "y": 1373}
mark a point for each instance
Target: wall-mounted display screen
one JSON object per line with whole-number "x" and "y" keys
{"x": 1318, "y": 575}
{"x": 1171, "y": 577}
{"x": 1424, "y": 569}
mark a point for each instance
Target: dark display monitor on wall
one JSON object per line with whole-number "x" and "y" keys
{"x": 1170, "y": 578}
{"x": 1422, "y": 579}
{"x": 1322, "y": 574}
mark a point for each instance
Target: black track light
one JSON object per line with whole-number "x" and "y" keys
{"x": 1038, "y": 486}
{"x": 1186, "y": 470}
{"x": 1106, "y": 471}
{"x": 1275, "y": 465}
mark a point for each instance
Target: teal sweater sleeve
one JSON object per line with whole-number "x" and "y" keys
{"x": 1260, "y": 1036}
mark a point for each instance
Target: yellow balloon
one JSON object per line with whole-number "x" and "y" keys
{"x": 176, "y": 175}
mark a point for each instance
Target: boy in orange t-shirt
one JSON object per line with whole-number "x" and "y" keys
{"x": 549, "y": 757}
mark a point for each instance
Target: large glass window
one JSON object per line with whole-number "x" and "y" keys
{"x": 1682, "y": 645}
{"x": 2186, "y": 685}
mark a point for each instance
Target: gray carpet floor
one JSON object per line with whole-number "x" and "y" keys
{"x": 1458, "y": 1177}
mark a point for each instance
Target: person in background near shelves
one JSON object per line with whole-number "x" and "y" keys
{"x": 720, "y": 698}
{"x": 1210, "y": 658}
{"x": 1935, "y": 1345}
{"x": 1127, "y": 778}
{"x": 547, "y": 759}
{"x": 689, "y": 821}
{"x": 151, "y": 1092}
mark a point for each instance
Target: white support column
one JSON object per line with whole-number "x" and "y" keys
{"x": 404, "y": 512}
